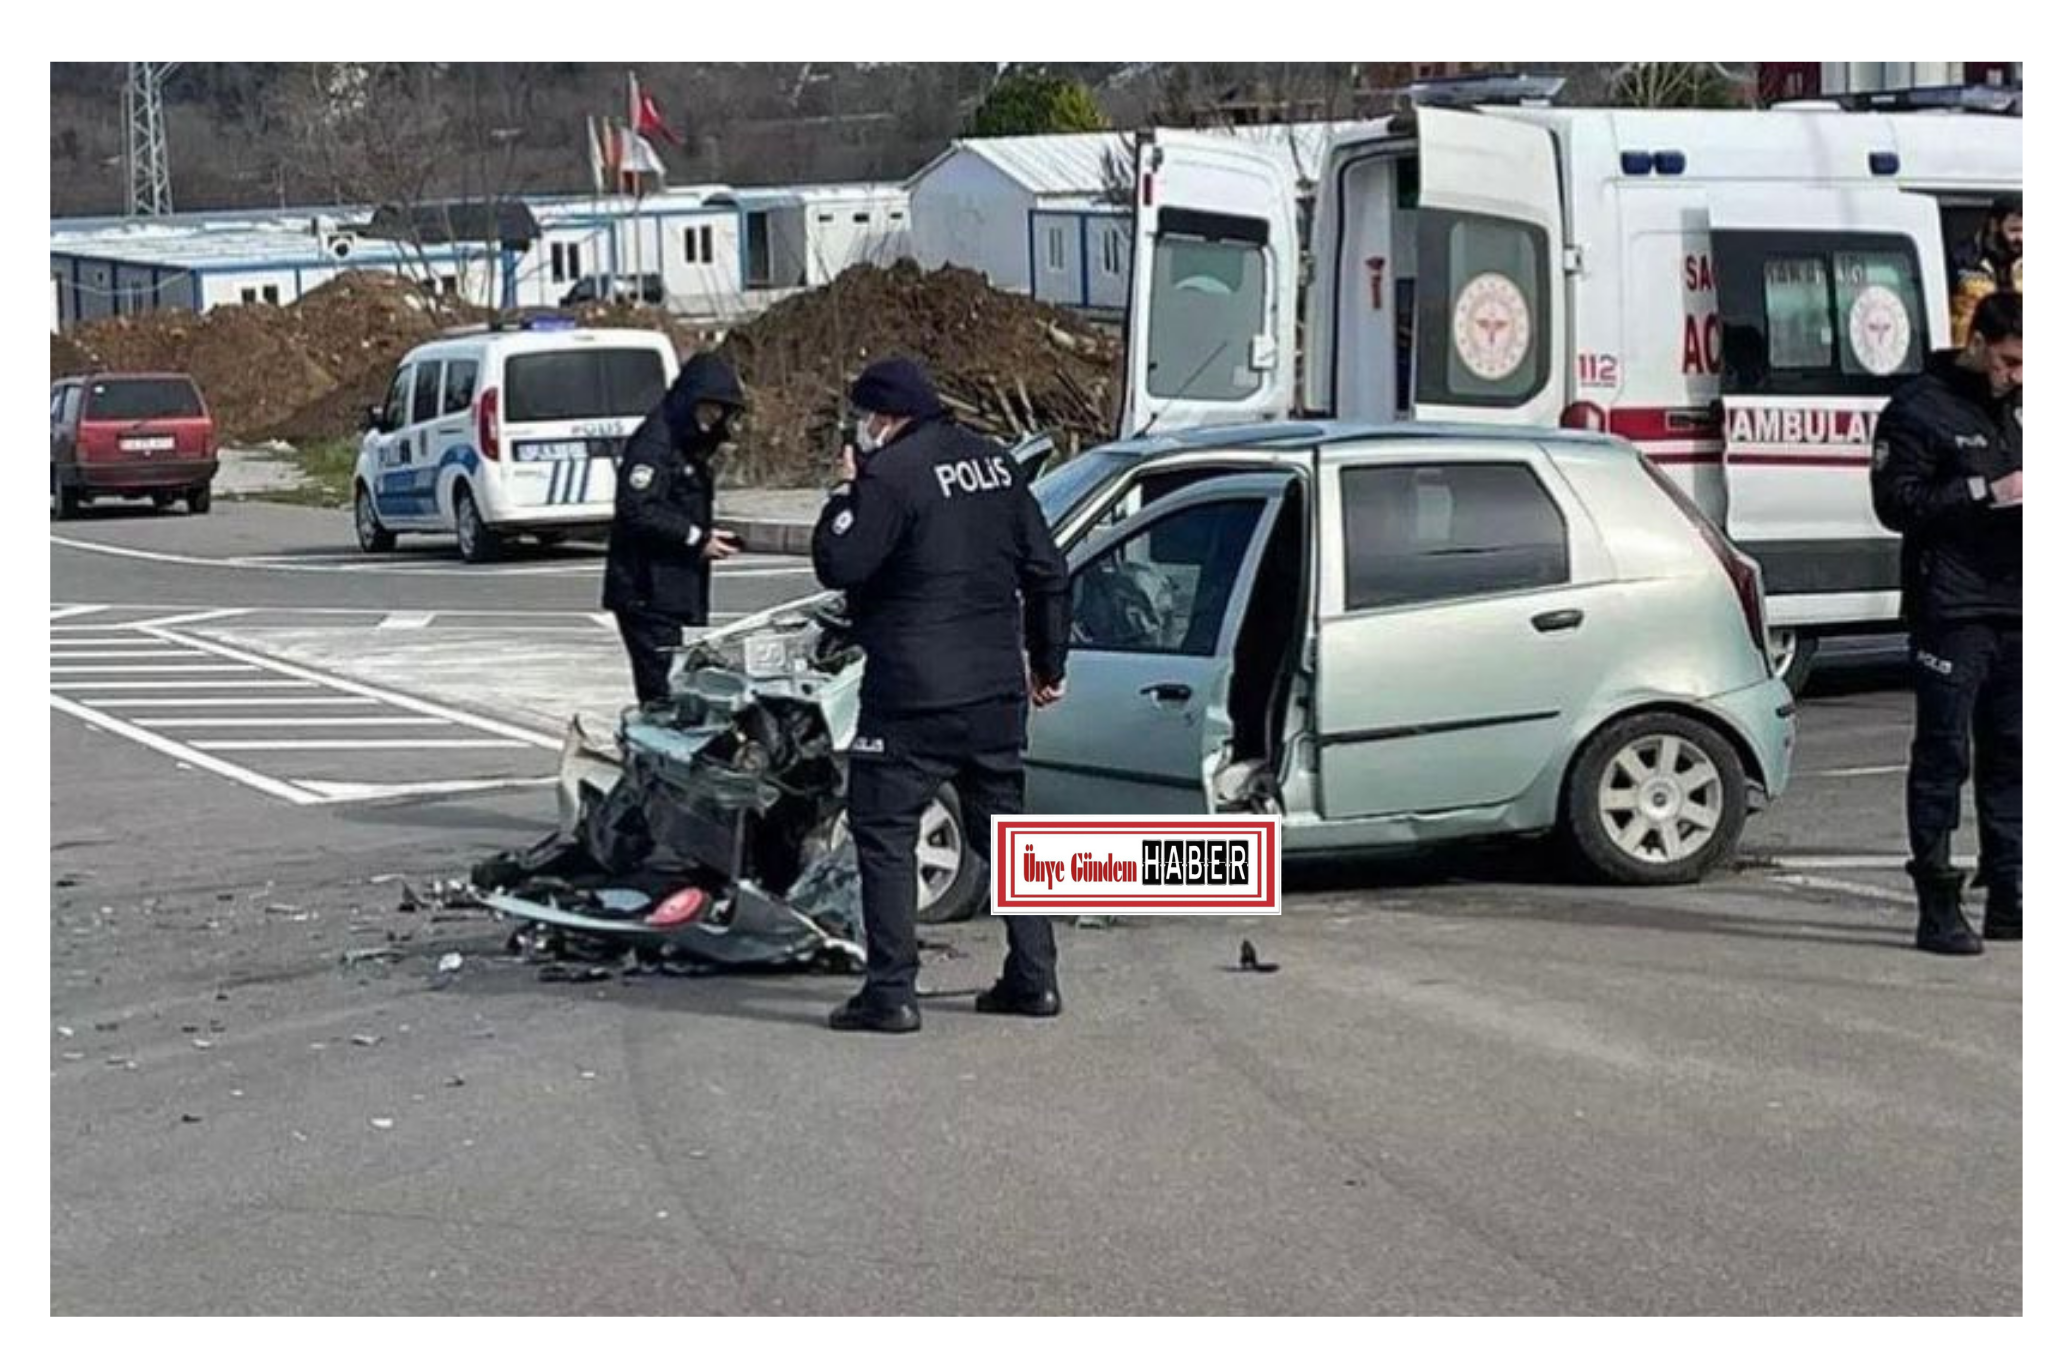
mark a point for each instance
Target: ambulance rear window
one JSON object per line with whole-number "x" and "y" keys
{"x": 572, "y": 385}
{"x": 1816, "y": 314}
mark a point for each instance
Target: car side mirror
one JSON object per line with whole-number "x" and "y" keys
{"x": 373, "y": 419}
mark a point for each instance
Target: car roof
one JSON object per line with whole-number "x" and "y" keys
{"x": 544, "y": 339}
{"x": 98, "y": 375}
{"x": 1302, "y": 435}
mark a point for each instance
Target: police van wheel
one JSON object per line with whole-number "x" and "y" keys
{"x": 478, "y": 543}
{"x": 1791, "y": 654}
{"x": 370, "y": 534}
{"x": 951, "y": 880}
{"x": 1655, "y": 800}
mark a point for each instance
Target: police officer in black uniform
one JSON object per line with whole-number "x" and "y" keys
{"x": 657, "y": 572}
{"x": 1945, "y": 473}
{"x": 937, "y": 542}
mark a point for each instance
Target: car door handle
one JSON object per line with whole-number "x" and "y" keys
{"x": 1174, "y": 692}
{"x": 1550, "y": 622}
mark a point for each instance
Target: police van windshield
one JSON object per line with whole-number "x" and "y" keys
{"x": 570, "y": 385}
{"x": 116, "y": 400}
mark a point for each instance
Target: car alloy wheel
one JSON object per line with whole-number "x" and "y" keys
{"x": 1661, "y": 799}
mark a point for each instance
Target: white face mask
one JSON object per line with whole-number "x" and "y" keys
{"x": 865, "y": 439}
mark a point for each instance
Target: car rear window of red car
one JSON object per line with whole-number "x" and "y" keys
{"x": 140, "y": 399}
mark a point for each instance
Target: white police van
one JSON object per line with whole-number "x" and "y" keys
{"x": 493, "y": 434}
{"x": 1735, "y": 292}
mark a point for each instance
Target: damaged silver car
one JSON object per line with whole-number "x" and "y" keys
{"x": 1391, "y": 637}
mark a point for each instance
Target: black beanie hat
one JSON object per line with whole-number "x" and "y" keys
{"x": 896, "y": 388}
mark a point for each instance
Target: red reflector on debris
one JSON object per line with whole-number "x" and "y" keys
{"x": 678, "y": 908}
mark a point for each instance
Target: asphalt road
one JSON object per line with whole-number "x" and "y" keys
{"x": 1471, "y": 1088}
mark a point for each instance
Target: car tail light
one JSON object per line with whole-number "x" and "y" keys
{"x": 1743, "y": 574}
{"x": 1584, "y": 417}
{"x": 487, "y": 423}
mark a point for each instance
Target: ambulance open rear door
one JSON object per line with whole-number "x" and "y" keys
{"x": 1827, "y": 302}
{"x": 1215, "y": 261}
{"x": 1490, "y": 335}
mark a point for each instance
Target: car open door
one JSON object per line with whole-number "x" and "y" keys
{"x": 1828, "y": 301}
{"x": 1210, "y": 325}
{"x": 1157, "y": 606}
{"x": 1490, "y": 338}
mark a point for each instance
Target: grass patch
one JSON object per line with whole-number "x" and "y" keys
{"x": 329, "y": 469}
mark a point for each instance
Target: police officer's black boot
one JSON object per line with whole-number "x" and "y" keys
{"x": 1943, "y": 929}
{"x": 864, "y": 1013}
{"x": 2002, "y": 913}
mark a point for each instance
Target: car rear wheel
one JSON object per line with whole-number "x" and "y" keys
{"x": 63, "y": 500}
{"x": 478, "y": 543}
{"x": 1654, "y": 800}
{"x": 1791, "y": 654}
{"x": 199, "y": 501}
{"x": 371, "y": 536}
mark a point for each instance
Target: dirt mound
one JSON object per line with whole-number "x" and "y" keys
{"x": 301, "y": 372}
{"x": 304, "y": 372}
{"x": 1004, "y": 363}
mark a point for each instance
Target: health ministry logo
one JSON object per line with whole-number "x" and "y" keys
{"x": 1195, "y": 864}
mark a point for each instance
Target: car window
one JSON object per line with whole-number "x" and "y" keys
{"x": 426, "y": 391}
{"x": 138, "y": 399}
{"x": 1067, "y": 484}
{"x": 458, "y": 389}
{"x": 569, "y": 385}
{"x": 394, "y": 399}
{"x": 1419, "y": 533}
{"x": 57, "y": 403}
{"x": 1165, "y": 589}
{"x": 74, "y": 395}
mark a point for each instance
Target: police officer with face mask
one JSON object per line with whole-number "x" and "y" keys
{"x": 657, "y": 573}
{"x": 959, "y": 598}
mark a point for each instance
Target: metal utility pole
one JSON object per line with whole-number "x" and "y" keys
{"x": 148, "y": 158}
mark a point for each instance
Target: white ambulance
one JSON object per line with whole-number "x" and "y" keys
{"x": 499, "y": 433}
{"x": 1735, "y": 292}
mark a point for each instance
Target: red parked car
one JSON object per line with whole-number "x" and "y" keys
{"x": 130, "y": 435}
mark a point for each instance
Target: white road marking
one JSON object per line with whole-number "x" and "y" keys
{"x": 66, "y": 612}
{"x": 182, "y": 752}
{"x": 1890, "y": 770}
{"x": 240, "y": 701}
{"x": 155, "y": 669}
{"x": 299, "y": 564}
{"x": 297, "y": 722}
{"x": 406, "y": 620}
{"x": 100, "y": 655}
{"x": 1858, "y": 862}
{"x": 266, "y": 683}
{"x": 1857, "y": 888}
{"x": 194, "y": 617}
{"x": 403, "y": 702}
{"x": 284, "y": 745}
{"x": 335, "y": 792}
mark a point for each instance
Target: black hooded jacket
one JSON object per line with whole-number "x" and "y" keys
{"x": 663, "y": 504}
{"x": 951, "y": 577}
{"x": 1940, "y": 443}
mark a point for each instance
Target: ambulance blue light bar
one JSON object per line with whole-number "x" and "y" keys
{"x": 548, "y": 324}
{"x": 1458, "y": 91}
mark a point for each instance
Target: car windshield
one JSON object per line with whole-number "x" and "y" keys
{"x": 114, "y": 400}
{"x": 570, "y": 385}
{"x": 1062, "y": 489}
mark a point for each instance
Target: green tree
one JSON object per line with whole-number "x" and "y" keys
{"x": 1024, "y": 102}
